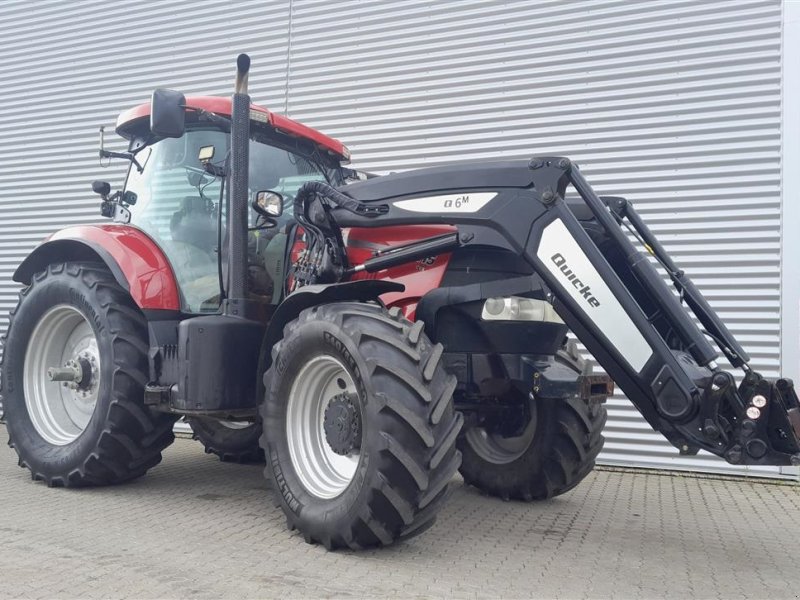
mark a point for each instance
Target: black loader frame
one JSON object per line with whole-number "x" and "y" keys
{"x": 609, "y": 294}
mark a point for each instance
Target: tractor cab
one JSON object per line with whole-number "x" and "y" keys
{"x": 176, "y": 192}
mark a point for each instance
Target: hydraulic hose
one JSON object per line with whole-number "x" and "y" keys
{"x": 313, "y": 188}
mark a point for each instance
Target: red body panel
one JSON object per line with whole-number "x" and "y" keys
{"x": 149, "y": 274}
{"x": 153, "y": 286}
{"x": 222, "y": 106}
{"x": 419, "y": 276}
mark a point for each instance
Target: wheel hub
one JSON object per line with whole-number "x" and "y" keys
{"x": 503, "y": 440}
{"x": 87, "y": 363}
{"x": 79, "y": 375}
{"x": 342, "y": 424}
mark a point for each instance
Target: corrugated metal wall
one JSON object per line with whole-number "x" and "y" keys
{"x": 675, "y": 105}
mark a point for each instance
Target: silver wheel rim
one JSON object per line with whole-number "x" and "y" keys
{"x": 235, "y": 424}
{"x": 497, "y": 449}
{"x": 60, "y": 411}
{"x": 322, "y": 472}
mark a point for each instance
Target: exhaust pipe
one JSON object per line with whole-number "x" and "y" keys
{"x": 242, "y": 74}
{"x": 237, "y": 208}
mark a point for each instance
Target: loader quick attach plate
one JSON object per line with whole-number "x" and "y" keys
{"x": 765, "y": 414}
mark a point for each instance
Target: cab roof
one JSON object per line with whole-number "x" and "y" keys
{"x": 130, "y": 121}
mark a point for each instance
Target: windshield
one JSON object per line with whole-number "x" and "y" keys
{"x": 178, "y": 204}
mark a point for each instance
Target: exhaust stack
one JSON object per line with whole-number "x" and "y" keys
{"x": 242, "y": 74}
{"x": 237, "y": 207}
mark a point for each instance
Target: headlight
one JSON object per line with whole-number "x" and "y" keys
{"x": 515, "y": 308}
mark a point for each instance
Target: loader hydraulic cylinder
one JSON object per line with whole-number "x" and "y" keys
{"x": 699, "y": 347}
{"x": 735, "y": 354}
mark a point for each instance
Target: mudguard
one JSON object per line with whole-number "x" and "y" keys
{"x": 313, "y": 295}
{"x": 135, "y": 260}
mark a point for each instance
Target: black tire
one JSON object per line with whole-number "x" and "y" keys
{"x": 123, "y": 438}
{"x": 408, "y": 435}
{"x": 230, "y": 444}
{"x": 566, "y": 439}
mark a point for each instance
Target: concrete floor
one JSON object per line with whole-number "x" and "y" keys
{"x": 195, "y": 527}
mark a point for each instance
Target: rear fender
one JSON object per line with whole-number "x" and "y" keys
{"x": 135, "y": 260}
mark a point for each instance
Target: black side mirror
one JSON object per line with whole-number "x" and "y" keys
{"x": 101, "y": 187}
{"x": 268, "y": 203}
{"x": 167, "y": 113}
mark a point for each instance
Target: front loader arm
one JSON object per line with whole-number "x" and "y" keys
{"x": 617, "y": 304}
{"x": 605, "y": 289}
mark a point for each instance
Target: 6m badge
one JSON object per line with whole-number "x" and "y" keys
{"x": 448, "y": 203}
{"x": 457, "y": 203}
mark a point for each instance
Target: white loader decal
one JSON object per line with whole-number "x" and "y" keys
{"x": 561, "y": 255}
{"x": 449, "y": 203}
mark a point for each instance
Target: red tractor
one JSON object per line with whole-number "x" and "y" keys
{"x": 371, "y": 336}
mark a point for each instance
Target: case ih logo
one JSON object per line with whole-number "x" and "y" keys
{"x": 584, "y": 290}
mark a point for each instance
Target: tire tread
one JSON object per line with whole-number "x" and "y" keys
{"x": 418, "y": 456}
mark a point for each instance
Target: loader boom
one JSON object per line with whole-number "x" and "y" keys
{"x": 606, "y": 290}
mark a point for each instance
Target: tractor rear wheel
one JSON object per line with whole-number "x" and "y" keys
{"x": 232, "y": 441}
{"x": 553, "y": 454}
{"x": 359, "y": 426}
{"x": 74, "y": 371}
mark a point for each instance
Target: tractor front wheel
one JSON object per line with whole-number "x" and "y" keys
{"x": 74, "y": 371}
{"x": 359, "y": 426}
{"x": 232, "y": 441}
{"x": 553, "y": 453}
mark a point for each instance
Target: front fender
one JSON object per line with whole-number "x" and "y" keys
{"x": 313, "y": 295}
{"x": 135, "y": 260}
